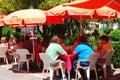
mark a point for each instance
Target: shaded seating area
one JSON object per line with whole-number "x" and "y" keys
{"x": 48, "y": 69}
{"x": 24, "y": 56}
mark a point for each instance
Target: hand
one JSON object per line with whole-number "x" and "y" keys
{"x": 65, "y": 54}
{"x": 73, "y": 53}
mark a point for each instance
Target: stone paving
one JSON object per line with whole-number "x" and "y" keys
{"x": 7, "y": 72}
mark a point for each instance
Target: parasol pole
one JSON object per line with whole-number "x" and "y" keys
{"x": 111, "y": 24}
{"x": 33, "y": 42}
{"x": 103, "y": 25}
{"x": 81, "y": 25}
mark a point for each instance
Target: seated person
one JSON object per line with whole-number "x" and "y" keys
{"x": 4, "y": 43}
{"x": 18, "y": 45}
{"x": 53, "y": 50}
{"x": 12, "y": 42}
{"x": 83, "y": 51}
{"x": 104, "y": 46}
{"x": 27, "y": 44}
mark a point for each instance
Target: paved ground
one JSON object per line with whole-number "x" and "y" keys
{"x": 7, "y": 72}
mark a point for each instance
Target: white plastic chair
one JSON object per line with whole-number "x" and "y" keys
{"x": 14, "y": 56}
{"x": 46, "y": 64}
{"x": 93, "y": 59}
{"x": 108, "y": 56}
{"x": 22, "y": 58}
{"x": 3, "y": 51}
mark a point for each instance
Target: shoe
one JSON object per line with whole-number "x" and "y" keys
{"x": 65, "y": 78}
{"x": 72, "y": 79}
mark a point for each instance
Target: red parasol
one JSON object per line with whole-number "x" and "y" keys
{"x": 94, "y": 4}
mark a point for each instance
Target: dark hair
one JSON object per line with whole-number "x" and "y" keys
{"x": 27, "y": 38}
{"x": 83, "y": 38}
{"x": 104, "y": 37}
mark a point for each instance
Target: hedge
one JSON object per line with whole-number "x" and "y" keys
{"x": 116, "y": 56}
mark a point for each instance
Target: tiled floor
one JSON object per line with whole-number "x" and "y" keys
{"x": 7, "y": 72}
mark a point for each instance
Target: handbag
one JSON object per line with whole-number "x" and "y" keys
{"x": 84, "y": 63}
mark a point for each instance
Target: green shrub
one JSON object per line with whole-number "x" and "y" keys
{"x": 97, "y": 33}
{"x": 7, "y": 31}
{"x": 39, "y": 36}
{"x": 69, "y": 40}
{"x": 17, "y": 35}
{"x": 93, "y": 42}
{"x": 106, "y": 29}
{"x": 115, "y": 35}
{"x": 116, "y": 55}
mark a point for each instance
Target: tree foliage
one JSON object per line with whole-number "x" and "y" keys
{"x": 8, "y": 6}
{"x": 13, "y": 5}
{"x": 47, "y": 4}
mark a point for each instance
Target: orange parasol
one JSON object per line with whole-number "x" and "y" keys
{"x": 82, "y": 13}
{"x": 53, "y": 19}
{"x": 26, "y": 16}
{"x": 1, "y": 20}
{"x": 67, "y": 11}
{"x": 104, "y": 13}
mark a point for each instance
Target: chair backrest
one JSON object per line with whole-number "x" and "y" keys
{"x": 108, "y": 56}
{"x": 22, "y": 54}
{"x": 3, "y": 51}
{"x": 93, "y": 59}
{"x": 46, "y": 60}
